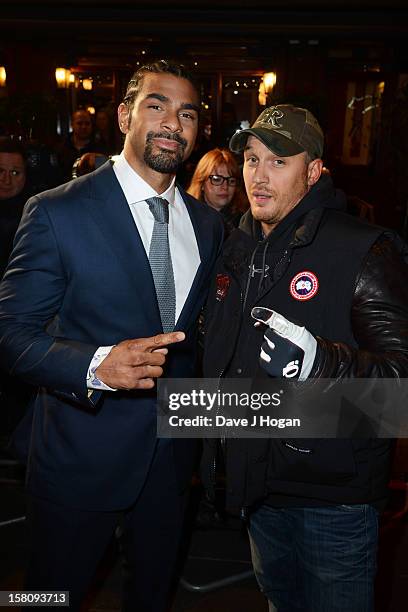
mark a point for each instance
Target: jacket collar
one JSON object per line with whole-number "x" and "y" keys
{"x": 321, "y": 196}
{"x": 296, "y": 230}
{"x": 108, "y": 207}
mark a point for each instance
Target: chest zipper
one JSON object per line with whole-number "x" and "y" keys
{"x": 243, "y": 299}
{"x": 221, "y": 374}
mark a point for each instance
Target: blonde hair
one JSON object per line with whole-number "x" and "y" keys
{"x": 207, "y": 165}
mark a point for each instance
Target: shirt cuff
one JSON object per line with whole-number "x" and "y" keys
{"x": 92, "y": 381}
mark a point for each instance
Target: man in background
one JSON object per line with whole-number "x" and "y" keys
{"x": 13, "y": 194}
{"x": 14, "y": 395}
{"x": 80, "y": 141}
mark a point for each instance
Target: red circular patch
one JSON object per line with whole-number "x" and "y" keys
{"x": 304, "y": 285}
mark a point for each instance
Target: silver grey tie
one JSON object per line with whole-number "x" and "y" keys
{"x": 160, "y": 263}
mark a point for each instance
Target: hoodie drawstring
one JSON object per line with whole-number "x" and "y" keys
{"x": 263, "y": 267}
{"x": 251, "y": 265}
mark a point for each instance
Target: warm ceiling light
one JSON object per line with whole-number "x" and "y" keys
{"x": 261, "y": 94}
{"x": 87, "y": 84}
{"x": 3, "y": 76}
{"x": 269, "y": 81}
{"x": 62, "y": 76}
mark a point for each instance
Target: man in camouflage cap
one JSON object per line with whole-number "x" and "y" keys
{"x": 312, "y": 504}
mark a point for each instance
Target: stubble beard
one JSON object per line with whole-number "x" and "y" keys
{"x": 165, "y": 162}
{"x": 283, "y": 204}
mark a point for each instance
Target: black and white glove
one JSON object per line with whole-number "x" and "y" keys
{"x": 288, "y": 350}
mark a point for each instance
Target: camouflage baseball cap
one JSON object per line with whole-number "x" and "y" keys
{"x": 286, "y": 130}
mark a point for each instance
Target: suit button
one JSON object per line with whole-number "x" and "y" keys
{"x": 239, "y": 370}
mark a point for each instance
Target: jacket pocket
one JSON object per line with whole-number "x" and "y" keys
{"x": 324, "y": 461}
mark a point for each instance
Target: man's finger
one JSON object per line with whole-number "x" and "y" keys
{"x": 144, "y": 383}
{"x": 156, "y": 342}
{"x": 147, "y": 371}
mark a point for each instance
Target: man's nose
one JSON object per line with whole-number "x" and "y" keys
{"x": 260, "y": 176}
{"x": 172, "y": 122}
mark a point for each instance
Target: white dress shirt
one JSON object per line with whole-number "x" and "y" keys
{"x": 182, "y": 241}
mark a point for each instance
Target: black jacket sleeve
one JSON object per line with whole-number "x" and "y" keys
{"x": 379, "y": 318}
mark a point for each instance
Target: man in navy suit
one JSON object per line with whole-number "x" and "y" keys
{"x": 80, "y": 319}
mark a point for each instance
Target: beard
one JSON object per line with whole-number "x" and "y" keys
{"x": 283, "y": 203}
{"x": 165, "y": 162}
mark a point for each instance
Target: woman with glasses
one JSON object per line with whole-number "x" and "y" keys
{"x": 217, "y": 182}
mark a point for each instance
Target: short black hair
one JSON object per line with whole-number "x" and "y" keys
{"x": 11, "y": 145}
{"x": 158, "y": 67}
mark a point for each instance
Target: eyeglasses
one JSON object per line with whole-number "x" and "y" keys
{"x": 218, "y": 179}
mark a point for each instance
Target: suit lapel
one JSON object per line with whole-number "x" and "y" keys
{"x": 204, "y": 233}
{"x": 110, "y": 211}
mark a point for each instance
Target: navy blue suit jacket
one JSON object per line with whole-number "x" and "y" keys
{"x": 79, "y": 278}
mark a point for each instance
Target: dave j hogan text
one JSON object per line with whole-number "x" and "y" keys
{"x": 257, "y": 420}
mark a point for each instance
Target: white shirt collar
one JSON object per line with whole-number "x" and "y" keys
{"x": 134, "y": 187}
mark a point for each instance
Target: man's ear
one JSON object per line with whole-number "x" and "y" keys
{"x": 123, "y": 118}
{"x": 314, "y": 171}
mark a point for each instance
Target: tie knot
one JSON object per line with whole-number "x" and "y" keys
{"x": 159, "y": 208}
